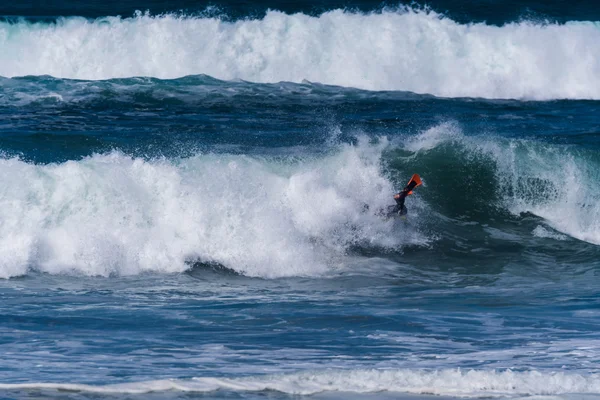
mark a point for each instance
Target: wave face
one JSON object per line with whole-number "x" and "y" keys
{"x": 554, "y": 182}
{"x": 403, "y": 50}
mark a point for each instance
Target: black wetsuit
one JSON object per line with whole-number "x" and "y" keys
{"x": 399, "y": 208}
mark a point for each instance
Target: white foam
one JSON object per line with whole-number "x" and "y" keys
{"x": 557, "y": 183}
{"x": 542, "y": 232}
{"x": 452, "y": 382}
{"x": 408, "y": 50}
{"x": 111, "y": 214}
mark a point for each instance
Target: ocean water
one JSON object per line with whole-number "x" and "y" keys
{"x": 190, "y": 196}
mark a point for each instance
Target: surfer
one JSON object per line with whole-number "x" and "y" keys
{"x": 400, "y": 208}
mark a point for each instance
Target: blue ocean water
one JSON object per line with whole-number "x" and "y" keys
{"x": 190, "y": 196}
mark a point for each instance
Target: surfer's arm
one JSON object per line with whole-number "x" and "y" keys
{"x": 413, "y": 183}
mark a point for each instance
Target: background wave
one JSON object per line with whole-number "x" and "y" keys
{"x": 406, "y": 50}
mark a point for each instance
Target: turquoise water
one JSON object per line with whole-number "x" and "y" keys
{"x": 189, "y": 201}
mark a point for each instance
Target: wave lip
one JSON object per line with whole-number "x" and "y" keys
{"x": 405, "y": 50}
{"x": 451, "y": 382}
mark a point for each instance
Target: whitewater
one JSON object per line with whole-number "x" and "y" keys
{"x": 113, "y": 214}
{"x": 395, "y": 50}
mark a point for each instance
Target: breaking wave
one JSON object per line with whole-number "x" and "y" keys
{"x": 404, "y": 49}
{"x": 113, "y": 214}
{"x": 305, "y": 214}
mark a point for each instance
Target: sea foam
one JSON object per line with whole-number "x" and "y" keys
{"x": 451, "y": 382}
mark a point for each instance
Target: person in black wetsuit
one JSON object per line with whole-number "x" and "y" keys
{"x": 400, "y": 208}
{"x": 400, "y": 197}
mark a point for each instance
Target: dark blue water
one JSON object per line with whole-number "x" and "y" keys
{"x": 190, "y": 200}
{"x": 492, "y": 11}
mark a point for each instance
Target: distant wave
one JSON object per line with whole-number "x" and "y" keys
{"x": 450, "y": 382}
{"x": 404, "y": 50}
